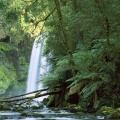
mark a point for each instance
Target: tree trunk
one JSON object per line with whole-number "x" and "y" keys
{"x": 66, "y": 37}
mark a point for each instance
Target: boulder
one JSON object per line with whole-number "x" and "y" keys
{"x": 19, "y": 108}
{"x": 73, "y": 108}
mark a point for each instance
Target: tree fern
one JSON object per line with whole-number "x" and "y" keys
{"x": 62, "y": 65}
{"x": 6, "y": 47}
{"x": 51, "y": 80}
{"x": 81, "y": 77}
{"x": 7, "y": 77}
{"x": 90, "y": 88}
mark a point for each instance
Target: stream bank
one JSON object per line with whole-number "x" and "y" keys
{"x": 38, "y": 111}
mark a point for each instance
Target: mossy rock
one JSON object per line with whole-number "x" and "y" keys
{"x": 51, "y": 102}
{"x": 5, "y": 107}
{"x": 110, "y": 112}
{"x": 115, "y": 115}
{"x": 76, "y": 109}
{"x": 56, "y": 108}
{"x": 20, "y": 108}
{"x": 118, "y": 109}
{"x": 106, "y": 110}
{"x": 73, "y": 108}
{"x": 79, "y": 108}
{"x": 45, "y": 101}
{"x": 1, "y": 107}
{"x": 32, "y": 114}
{"x": 38, "y": 115}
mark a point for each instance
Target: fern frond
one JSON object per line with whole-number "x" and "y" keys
{"x": 90, "y": 88}
{"x": 51, "y": 80}
{"x": 6, "y": 47}
{"x": 77, "y": 87}
{"x": 81, "y": 78}
{"x": 6, "y": 77}
{"x": 62, "y": 65}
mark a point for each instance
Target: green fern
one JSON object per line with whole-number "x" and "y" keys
{"x": 51, "y": 80}
{"x": 62, "y": 65}
{"x": 6, "y": 47}
{"x": 90, "y": 88}
{"x": 6, "y": 77}
{"x": 81, "y": 77}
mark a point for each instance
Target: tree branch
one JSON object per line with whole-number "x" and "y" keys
{"x": 43, "y": 20}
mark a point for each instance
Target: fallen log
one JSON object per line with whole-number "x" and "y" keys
{"x": 26, "y": 94}
{"x": 32, "y": 97}
{"x": 37, "y": 91}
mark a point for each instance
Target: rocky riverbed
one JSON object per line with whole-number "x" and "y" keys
{"x": 46, "y": 114}
{"x": 38, "y": 111}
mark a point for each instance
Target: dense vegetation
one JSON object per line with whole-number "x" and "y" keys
{"x": 83, "y": 47}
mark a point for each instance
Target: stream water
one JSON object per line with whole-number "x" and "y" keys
{"x": 49, "y": 115}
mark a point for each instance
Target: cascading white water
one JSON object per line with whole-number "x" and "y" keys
{"x": 38, "y": 65}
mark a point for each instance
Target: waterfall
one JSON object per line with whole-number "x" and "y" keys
{"x": 38, "y": 65}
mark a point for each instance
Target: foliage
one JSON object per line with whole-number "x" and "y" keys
{"x": 7, "y": 77}
{"x": 6, "y": 47}
{"x": 82, "y": 43}
{"x": 49, "y": 79}
{"x": 93, "y": 39}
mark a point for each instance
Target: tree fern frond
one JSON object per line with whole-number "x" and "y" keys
{"x": 51, "y": 80}
{"x": 76, "y": 87}
{"x": 90, "y": 88}
{"x": 6, "y": 77}
{"x": 6, "y": 47}
{"x": 62, "y": 65}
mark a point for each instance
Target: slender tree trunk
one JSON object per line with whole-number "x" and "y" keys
{"x": 66, "y": 37}
{"x": 107, "y": 30}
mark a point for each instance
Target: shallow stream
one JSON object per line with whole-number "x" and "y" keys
{"x": 49, "y": 115}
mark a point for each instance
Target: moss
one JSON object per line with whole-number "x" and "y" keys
{"x": 1, "y": 107}
{"x": 115, "y": 115}
{"x": 118, "y": 109}
{"x": 56, "y": 109}
{"x": 38, "y": 115}
{"x": 45, "y": 101}
{"x": 73, "y": 108}
{"x": 106, "y": 110}
{"x": 6, "y": 107}
{"x": 18, "y": 108}
{"x": 51, "y": 102}
{"x": 32, "y": 114}
{"x": 110, "y": 112}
